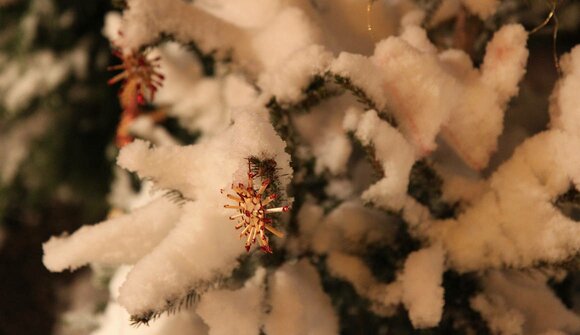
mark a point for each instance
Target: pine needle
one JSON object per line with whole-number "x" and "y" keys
{"x": 173, "y": 306}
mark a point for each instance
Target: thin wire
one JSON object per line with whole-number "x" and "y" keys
{"x": 554, "y": 5}
{"x": 554, "y": 51}
{"x": 369, "y": 24}
{"x": 552, "y": 15}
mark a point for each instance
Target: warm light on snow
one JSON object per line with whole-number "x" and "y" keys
{"x": 390, "y": 167}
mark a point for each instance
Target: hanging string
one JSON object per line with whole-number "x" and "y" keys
{"x": 553, "y": 5}
{"x": 369, "y": 23}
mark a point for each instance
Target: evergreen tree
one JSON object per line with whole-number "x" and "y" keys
{"x": 303, "y": 167}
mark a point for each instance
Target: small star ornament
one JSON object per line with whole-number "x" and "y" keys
{"x": 141, "y": 79}
{"x": 251, "y": 206}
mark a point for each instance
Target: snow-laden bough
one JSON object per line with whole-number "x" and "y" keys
{"x": 516, "y": 223}
{"x": 189, "y": 245}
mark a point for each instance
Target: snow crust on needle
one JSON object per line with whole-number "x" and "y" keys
{"x": 418, "y": 90}
{"x": 299, "y": 305}
{"x": 239, "y": 311}
{"x": 482, "y": 8}
{"x": 134, "y": 235}
{"x": 422, "y": 291}
{"x": 515, "y": 302}
{"x": 288, "y": 81}
{"x": 384, "y": 297}
{"x": 203, "y": 245}
{"x": 144, "y": 22}
{"x": 515, "y": 223}
{"x": 565, "y": 100}
{"x": 395, "y": 155}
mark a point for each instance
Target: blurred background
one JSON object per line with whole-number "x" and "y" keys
{"x": 57, "y": 122}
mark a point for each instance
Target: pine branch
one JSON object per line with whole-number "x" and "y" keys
{"x": 570, "y": 264}
{"x": 177, "y": 131}
{"x": 176, "y": 197}
{"x": 430, "y": 7}
{"x": 172, "y": 195}
{"x": 207, "y": 60}
{"x": 362, "y": 97}
{"x": 458, "y": 316}
{"x": 172, "y": 306}
{"x": 568, "y": 203}
{"x": 318, "y": 91}
{"x": 425, "y": 186}
{"x": 281, "y": 120}
{"x": 265, "y": 168}
{"x": 305, "y": 181}
{"x": 281, "y": 114}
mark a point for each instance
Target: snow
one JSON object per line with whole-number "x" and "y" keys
{"x": 329, "y": 144}
{"x": 395, "y": 155}
{"x": 428, "y": 93}
{"x": 112, "y": 26}
{"x": 564, "y": 99}
{"x": 529, "y": 299}
{"x": 289, "y": 32}
{"x": 299, "y": 305}
{"x": 200, "y": 103}
{"x": 310, "y": 217}
{"x": 234, "y": 312}
{"x": 460, "y": 188}
{"x": 416, "y": 216}
{"x": 476, "y": 123}
{"x": 351, "y": 119}
{"x": 413, "y": 34}
{"x": 350, "y": 226}
{"x": 288, "y": 80}
{"x": 193, "y": 253}
{"x": 419, "y": 91}
{"x": 421, "y": 279}
{"x": 440, "y": 103}
{"x": 505, "y": 59}
{"x": 339, "y": 188}
{"x": 482, "y": 8}
{"x": 447, "y": 10}
{"x": 352, "y": 269}
{"x": 242, "y": 13}
{"x": 145, "y": 127}
{"x": 362, "y": 73}
{"x": 474, "y": 126}
{"x": 144, "y": 21}
{"x": 133, "y": 235}
{"x": 515, "y": 222}
{"x": 114, "y": 320}
{"x": 250, "y": 134}
{"x": 500, "y": 318}
{"x": 199, "y": 110}
{"x": 203, "y": 245}
{"x": 332, "y": 154}
{"x": 384, "y": 297}
{"x": 264, "y": 43}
